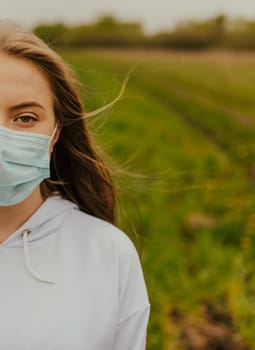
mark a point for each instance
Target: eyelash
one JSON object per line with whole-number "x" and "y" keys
{"x": 26, "y": 115}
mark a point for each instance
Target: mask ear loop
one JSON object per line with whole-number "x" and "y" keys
{"x": 53, "y": 134}
{"x": 54, "y": 131}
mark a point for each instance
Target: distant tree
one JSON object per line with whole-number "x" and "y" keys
{"x": 106, "y": 22}
{"x": 195, "y": 34}
{"x": 107, "y": 30}
{"x": 52, "y": 33}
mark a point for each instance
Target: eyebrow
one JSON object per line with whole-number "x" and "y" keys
{"x": 26, "y": 104}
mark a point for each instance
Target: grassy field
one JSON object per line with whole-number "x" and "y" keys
{"x": 185, "y": 131}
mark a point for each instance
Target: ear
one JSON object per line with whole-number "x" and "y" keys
{"x": 55, "y": 138}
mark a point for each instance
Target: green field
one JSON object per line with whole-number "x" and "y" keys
{"x": 184, "y": 134}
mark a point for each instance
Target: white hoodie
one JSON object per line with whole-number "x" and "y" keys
{"x": 77, "y": 284}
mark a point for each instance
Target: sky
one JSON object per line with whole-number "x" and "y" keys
{"x": 155, "y": 15}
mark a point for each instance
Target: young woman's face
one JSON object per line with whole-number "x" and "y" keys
{"x": 26, "y": 100}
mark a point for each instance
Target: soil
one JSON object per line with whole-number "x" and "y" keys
{"x": 214, "y": 330}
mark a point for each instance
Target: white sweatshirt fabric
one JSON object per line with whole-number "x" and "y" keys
{"x": 71, "y": 281}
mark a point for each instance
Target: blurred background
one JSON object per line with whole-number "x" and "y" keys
{"x": 183, "y": 135}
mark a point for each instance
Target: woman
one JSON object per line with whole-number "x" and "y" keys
{"x": 78, "y": 283}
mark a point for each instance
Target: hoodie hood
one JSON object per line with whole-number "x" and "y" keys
{"x": 44, "y": 221}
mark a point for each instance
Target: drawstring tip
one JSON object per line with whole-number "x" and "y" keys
{"x": 46, "y": 281}
{"x": 24, "y": 234}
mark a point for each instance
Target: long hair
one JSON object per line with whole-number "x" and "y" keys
{"x": 78, "y": 171}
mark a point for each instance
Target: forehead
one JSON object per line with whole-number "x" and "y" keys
{"x": 22, "y": 80}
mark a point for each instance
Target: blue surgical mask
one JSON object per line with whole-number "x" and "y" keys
{"x": 24, "y": 163}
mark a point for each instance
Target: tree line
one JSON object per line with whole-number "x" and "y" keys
{"x": 108, "y": 31}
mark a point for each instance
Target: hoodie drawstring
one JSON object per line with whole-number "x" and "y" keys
{"x": 24, "y": 234}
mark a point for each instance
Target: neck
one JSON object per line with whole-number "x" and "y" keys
{"x": 13, "y": 216}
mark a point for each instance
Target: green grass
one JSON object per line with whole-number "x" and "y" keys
{"x": 187, "y": 123}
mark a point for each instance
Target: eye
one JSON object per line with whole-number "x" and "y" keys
{"x": 26, "y": 119}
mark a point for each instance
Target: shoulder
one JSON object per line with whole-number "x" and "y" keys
{"x": 112, "y": 244}
{"x": 92, "y": 228}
